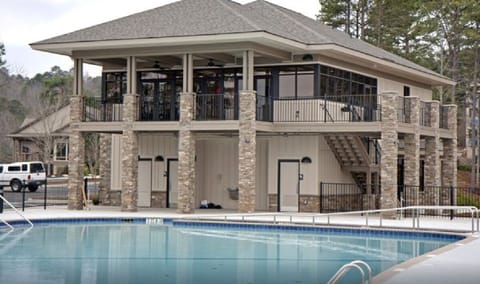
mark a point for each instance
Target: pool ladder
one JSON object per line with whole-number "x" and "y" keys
{"x": 361, "y": 266}
{"x": 18, "y": 212}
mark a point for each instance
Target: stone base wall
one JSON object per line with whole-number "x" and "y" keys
{"x": 309, "y": 203}
{"x": 273, "y": 202}
{"x": 111, "y": 198}
{"x": 341, "y": 202}
{"x": 159, "y": 199}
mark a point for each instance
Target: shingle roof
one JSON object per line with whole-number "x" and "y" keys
{"x": 215, "y": 17}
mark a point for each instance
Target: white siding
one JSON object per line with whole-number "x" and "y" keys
{"x": 329, "y": 169}
{"x": 387, "y": 85}
{"x": 294, "y": 148}
{"x": 116, "y": 163}
{"x": 153, "y": 145}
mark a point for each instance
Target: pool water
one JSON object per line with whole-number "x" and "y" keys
{"x": 139, "y": 253}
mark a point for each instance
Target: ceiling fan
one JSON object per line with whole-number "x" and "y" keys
{"x": 211, "y": 63}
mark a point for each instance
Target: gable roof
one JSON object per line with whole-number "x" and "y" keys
{"x": 55, "y": 124}
{"x": 221, "y": 17}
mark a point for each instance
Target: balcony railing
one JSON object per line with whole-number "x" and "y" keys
{"x": 425, "y": 119}
{"x": 160, "y": 109}
{"x": 264, "y": 108}
{"x": 95, "y": 109}
{"x": 355, "y": 108}
{"x": 216, "y": 107}
{"x": 443, "y": 117}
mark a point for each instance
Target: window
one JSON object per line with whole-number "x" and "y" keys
{"x": 1, "y": 169}
{"x": 61, "y": 151}
{"x": 24, "y": 167}
{"x": 25, "y": 149}
{"x": 406, "y": 91}
{"x": 14, "y": 168}
{"x": 36, "y": 168}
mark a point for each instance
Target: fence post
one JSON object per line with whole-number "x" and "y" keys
{"x": 320, "y": 198}
{"x": 23, "y": 195}
{"x": 452, "y": 201}
{"x": 45, "y": 196}
{"x": 1, "y": 200}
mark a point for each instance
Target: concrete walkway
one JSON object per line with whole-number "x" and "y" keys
{"x": 457, "y": 263}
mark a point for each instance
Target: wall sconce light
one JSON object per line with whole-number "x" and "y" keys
{"x": 306, "y": 160}
{"x": 159, "y": 159}
{"x": 307, "y": 57}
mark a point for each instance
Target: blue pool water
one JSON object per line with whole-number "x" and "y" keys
{"x": 183, "y": 253}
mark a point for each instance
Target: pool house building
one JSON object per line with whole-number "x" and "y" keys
{"x": 255, "y": 108}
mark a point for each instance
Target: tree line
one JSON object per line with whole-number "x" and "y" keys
{"x": 25, "y": 99}
{"x": 442, "y": 35}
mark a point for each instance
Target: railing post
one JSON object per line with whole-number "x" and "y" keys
{"x": 1, "y": 200}
{"x": 320, "y": 198}
{"x": 325, "y": 107}
{"x": 23, "y": 195}
{"x": 452, "y": 201}
{"x": 45, "y": 196}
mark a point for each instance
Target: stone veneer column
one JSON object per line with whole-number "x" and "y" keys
{"x": 412, "y": 153}
{"x": 432, "y": 158}
{"x": 76, "y": 156}
{"x": 129, "y": 155}
{"x": 449, "y": 171}
{"x": 388, "y": 169}
{"x": 104, "y": 168}
{"x": 247, "y": 151}
{"x": 186, "y": 156}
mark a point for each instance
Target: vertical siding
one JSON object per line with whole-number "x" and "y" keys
{"x": 116, "y": 165}
{"x": 329, "y": 169}
{"x": 294, "y": 148}
{"x": 153, "y": 145}
{"x": 261, "y": 197}
{"x": 219, "y": 170}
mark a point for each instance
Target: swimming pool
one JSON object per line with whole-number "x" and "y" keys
{"x": 129, "y": 251}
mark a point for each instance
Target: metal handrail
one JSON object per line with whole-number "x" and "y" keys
{"x": 359, "y": 265}
{"x": 18, "y": 212}
{"x": 474, "y": 212}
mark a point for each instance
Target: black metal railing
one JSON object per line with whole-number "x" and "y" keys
{"x": 374, "y": 149}
{"x": 401, "y": 110}
{"x": 443, "y": 117}
{"x": 160, "y": 109}
{"x": 216, "y": 107}
{"x": 344, "y": 108}
{"x": 341, "y": 197}
{"x": 96, "y": 109}
{"x": 425, "y": 119}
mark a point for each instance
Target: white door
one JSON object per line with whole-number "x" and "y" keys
{"x": 289, "y": 171}
{"x": 172, "y": 182}
{"x": 144, "y": 183}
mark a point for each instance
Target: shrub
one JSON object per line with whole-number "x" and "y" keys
{"x": 464, "y": 167}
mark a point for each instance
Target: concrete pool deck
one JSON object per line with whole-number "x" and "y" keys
{"x": 456, "y": 263}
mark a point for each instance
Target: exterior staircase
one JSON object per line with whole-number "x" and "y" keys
{"x": 356, "y": 154}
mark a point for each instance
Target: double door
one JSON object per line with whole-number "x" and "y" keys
{"x": 159, "y": 101}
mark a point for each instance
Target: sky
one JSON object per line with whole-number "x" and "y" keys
{"x": 27, "y": 21}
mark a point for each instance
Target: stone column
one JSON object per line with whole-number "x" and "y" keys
{"x": 388, "y": 170}
{"x": 186, "y": 156}
{"x": 432, "y": 158}
{"x": 129, "y": 155}
{"x": 76, "y": 156}
{"x": 412, "y": 153}
{"x": 449, "y": 171}
{"x": 105, "y": 164}
{"x": 247, "y": 150}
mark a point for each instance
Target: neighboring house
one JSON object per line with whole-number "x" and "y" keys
{"x": 201, "y": 98}
{"x": 38, "y": 136}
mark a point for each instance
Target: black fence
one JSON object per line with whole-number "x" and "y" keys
{"x": 50, "y": 194}
{"x": 341, "y": 197}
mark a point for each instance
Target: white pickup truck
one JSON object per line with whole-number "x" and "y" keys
{"x": 21, "y": 174}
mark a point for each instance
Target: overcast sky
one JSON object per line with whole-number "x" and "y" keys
{"x": 26, "y": 21}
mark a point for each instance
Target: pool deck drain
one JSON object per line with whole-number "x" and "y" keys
{"x": 457, "y": 263}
